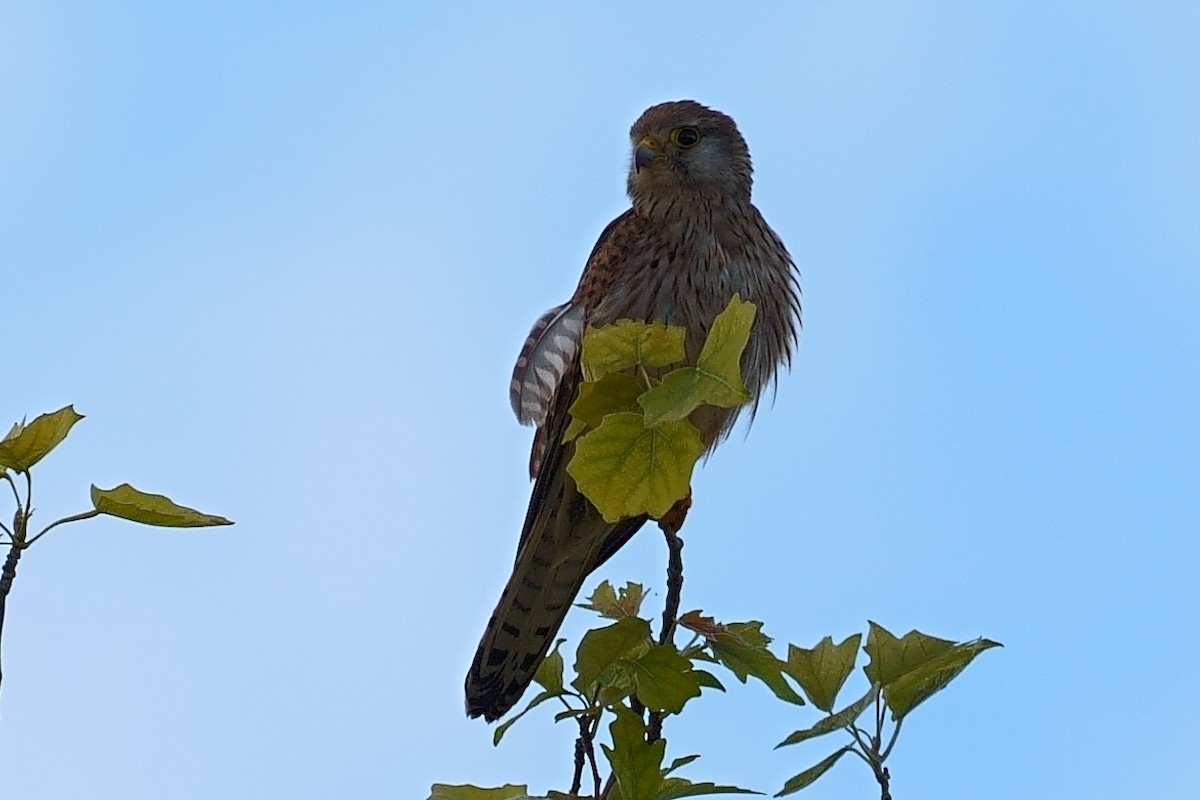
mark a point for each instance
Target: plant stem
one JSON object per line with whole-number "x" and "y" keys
{"x": 9, "y": 573}
{"x": 670, "y": 526}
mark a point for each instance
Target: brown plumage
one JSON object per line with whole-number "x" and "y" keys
{"x": 689, "y": 242}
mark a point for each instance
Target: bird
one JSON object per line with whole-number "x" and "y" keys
{"x": 690, "y": 240}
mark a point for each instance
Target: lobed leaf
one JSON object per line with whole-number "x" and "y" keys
{"x": 823, "y": 670}
{"x": 27, "y": 444}
{"x": 664, "y": 679}
{"x": 742, "y": 648}
{"x": 892, "y": 657}
{"x": 717, "y": 377}
{"x": 918, "y": 685}
{"x": 611, "y": 394}
{"x": 684, "y": 390}
{"x": 627, "y": 343}
{"x": 126, "y": 502}
{"x": 627, "y": 469}
{"x": 608, "y": 602}
{"x": 602, "y": 647}
{"x": 636, "y": 764}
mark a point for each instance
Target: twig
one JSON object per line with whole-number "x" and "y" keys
{"x": 580, "y": 750}
{"x": 591, "y": 756}
{"x": 670, "y": 525}
{"x": 9, "y": 573}
{"x": 885, "y": 793}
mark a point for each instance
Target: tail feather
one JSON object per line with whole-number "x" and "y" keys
{"x": 558, "y": 553}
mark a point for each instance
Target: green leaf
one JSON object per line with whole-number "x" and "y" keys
{"x": 918, "y": 685}
{"x": 25, "y": 445}
{"x": 625, "y": 344}
{"x": 664, "y": 680}
{"x": 682, "y": 787}
{"x": 127, "y": 502}
{"x": 798, "y": 782}
{"x": 892, "y": 657}
{"x": 442, "y": 791}
{"x": 823, "y": 670}
{"x": 742, "y": 648}
{"x": 611, "y": 394}
{"x": 636, "y": 764}
{"x": 503, "y": 727}
{"x": 600, "y": 648}
{"x": 608, "y": 603}
{"x": 627, "y": 469}
{"x": 575, "y": 429}
{"x": 834, "y": 722}
{"x": 709, "y": 680}
{"x": 716, "y": 379}
{"x": 683, "y": 390}
{"x": 682, "y": 761}
{"x": 549, "y": 673}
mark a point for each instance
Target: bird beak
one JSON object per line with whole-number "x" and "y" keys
{"x": 648, "y": 150}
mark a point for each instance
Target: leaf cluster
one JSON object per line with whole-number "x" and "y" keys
{"x": 635, "y": 448}
{"x": 24, "y": 446}
{"x": 620, "y": 671}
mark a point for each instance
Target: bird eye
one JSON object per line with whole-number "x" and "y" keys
{"x": 685, "y": 137}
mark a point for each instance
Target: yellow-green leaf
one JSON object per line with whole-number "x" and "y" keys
{"x": 636, "y": 764}
{"x": 549, "y": 673}
{"x": 627, "y": 343}
{"x": 892, "y": 657}
{"x": 918, "y": 685}
{"x": 798, "y": 782}
{"x": 601, "y": 647}
{"x": 627, "y": 469}
{"x": 834, "y": 722}
{"x": 664, "y": 679}
{"x": 127, "y": 502}
{"x": 25, "y": 445}
{"x": 727, "y": 338}
{"x": 607, "y": 602}
{"x": 443, "y": 791}
{"x": 742, "y": 648}
{"x": 683, "y": 390}
{"x": 822, "y": 670}
{"x": 673, "y": 788}
{"x": 717, "y": 377}
{"x": 611, "y": 394}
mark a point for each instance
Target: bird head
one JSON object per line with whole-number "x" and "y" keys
{"x": 683, "y": 146}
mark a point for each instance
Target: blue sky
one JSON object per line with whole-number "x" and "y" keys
{"x": 283, "y": 257}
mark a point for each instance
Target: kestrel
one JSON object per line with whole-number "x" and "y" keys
{"x": 690, "y": 240}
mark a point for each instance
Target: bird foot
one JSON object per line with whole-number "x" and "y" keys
{"x": 676, "y": 515}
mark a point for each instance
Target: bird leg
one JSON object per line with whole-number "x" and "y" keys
{"x": 677, "y": 514}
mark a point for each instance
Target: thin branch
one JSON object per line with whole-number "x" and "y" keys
{"x": 862, "y": 737}
{"x": 884, "y": 777}
{"x": 6, "y": 581}
{"x": 670, "y": 526}
{"x": 16, "y": 494}
{"x": 674, "y": 581}
{"x": 580, "y": 750}
{"x": 891, "y": 742}
{"x": 866, "y": 760}
{"x": 75, "y": 518}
